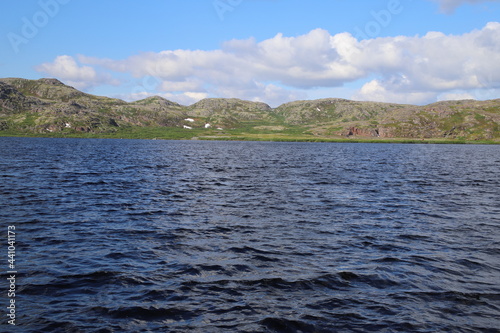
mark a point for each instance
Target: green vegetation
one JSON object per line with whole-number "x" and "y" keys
{"x": 48, "y": 108}
{"x": 289, "y": 135}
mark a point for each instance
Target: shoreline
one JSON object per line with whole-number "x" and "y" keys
{"x": 254, "y": 138}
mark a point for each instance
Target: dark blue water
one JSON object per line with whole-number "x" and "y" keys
{"x": 177, "y": 236}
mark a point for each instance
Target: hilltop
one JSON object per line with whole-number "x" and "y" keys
{"x": 467, "y": 119}
{"x": 48, "y": 107}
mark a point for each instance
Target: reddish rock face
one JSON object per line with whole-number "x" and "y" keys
{"x": 370, "y": 132}
{"x": 380, "y": 132}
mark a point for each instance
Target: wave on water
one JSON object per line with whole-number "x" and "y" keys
{"x": 159, "y": 236}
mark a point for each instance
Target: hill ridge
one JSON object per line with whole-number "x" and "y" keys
{"x": 48, "y": 105}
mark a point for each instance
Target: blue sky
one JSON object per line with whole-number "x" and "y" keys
{"x": 405, "y": 51}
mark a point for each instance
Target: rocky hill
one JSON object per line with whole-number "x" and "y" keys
{"x": 468, "y": 119}
{"x": 49, "y": 106}
{"x": 229, "y": 112}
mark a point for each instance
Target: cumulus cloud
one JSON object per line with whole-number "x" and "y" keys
{"x": 433, "y": 64}
{"x": 67, "y": 69}
{"x": 379, "y": 91}
{"x": 413, "y": 69}
{"x": 449, "y": 6}
{"x": 455, "y": 96}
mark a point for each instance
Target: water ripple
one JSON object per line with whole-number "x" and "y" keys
{"x": 159, "y": 236}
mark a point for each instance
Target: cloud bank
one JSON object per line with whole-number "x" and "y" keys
{"x": 408, "y": 69}
{"x": 81, "y": 77}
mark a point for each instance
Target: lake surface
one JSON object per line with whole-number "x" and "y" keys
{"x": 192, "y": 236}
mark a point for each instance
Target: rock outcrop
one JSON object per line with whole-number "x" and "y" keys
{"x": 48, "y": 105}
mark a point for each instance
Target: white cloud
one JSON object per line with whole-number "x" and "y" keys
{"x": 185, "y": 98}
{"x": 433, "y": 64}
{"x": 81, "y": 77}
{"x": 449, "y": 6}
{"x": 412, "y": 69}
{"x": 378, "y": 91}
{"x": 192, "y": 85}
{"x": 455, "y": 96}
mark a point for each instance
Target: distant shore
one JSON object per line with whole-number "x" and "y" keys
{"x": 154, "y": 134}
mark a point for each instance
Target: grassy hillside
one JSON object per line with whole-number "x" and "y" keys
{"x": 47, "y": 107}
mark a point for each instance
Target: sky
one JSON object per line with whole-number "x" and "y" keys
{"x": 272, "y": 51}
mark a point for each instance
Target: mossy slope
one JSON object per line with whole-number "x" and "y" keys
{"x": 49, "y": 107}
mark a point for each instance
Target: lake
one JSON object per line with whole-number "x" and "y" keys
{"x": 195, "y": 236}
